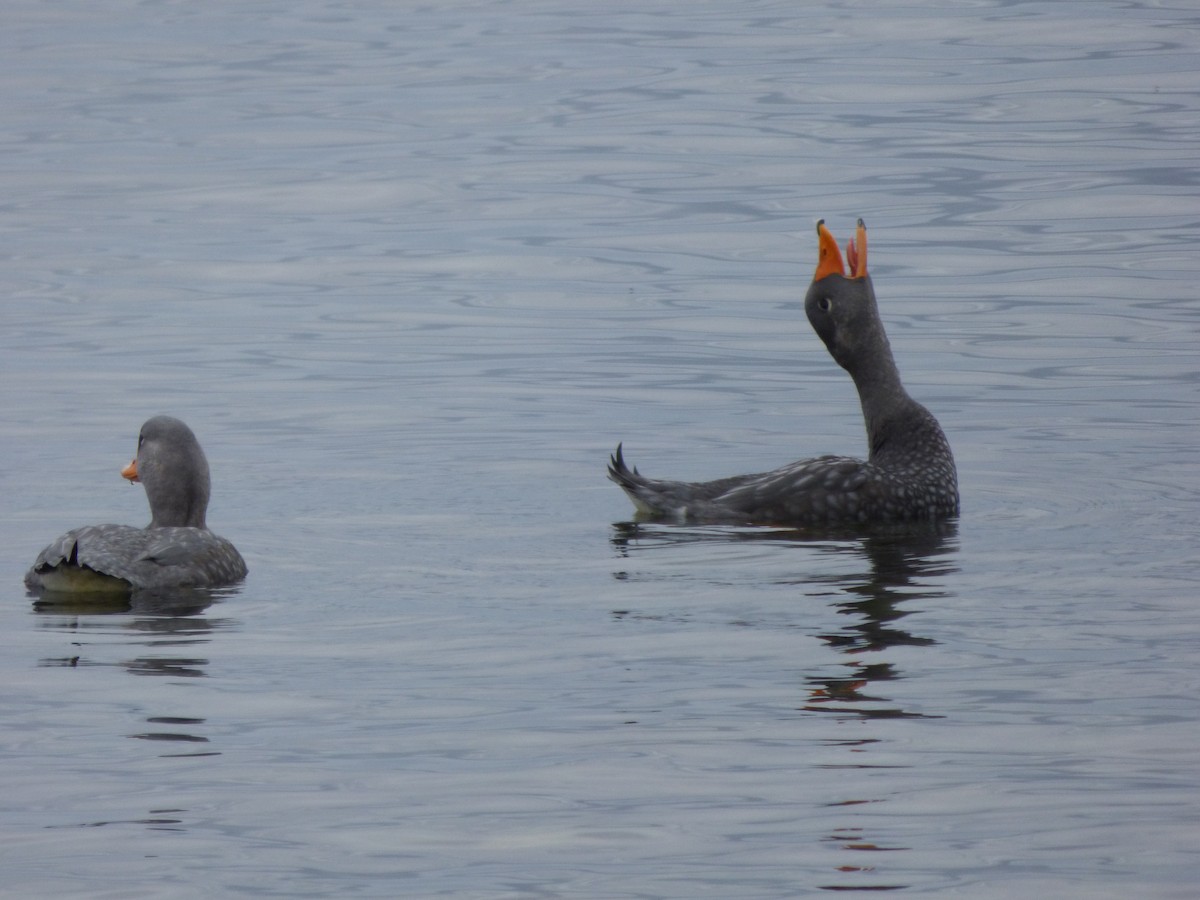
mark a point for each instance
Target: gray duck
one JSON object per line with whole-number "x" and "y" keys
{"x": 175, "y": 550}
{"x": 909, "y": 474}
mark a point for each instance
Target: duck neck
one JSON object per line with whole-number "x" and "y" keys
{"x": 181, "y": 505}
{"x": 885, "y": 402}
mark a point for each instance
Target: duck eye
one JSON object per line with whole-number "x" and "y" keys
{"x": 825, "y": 304}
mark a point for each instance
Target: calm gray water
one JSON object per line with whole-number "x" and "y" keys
{"x": 411, "y": 271}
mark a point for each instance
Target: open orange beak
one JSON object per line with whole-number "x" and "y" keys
{"x": 856, "y": 253}
{"x": 829, "y": 258}
{"x": 130, "y": 471}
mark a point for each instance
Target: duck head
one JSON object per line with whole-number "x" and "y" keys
{"x": 840, "y": 303}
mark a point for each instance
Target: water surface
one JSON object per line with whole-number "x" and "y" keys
{"x": 410, "y": 272}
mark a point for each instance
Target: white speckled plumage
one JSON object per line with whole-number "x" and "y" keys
{"x": 909, "y": 474}
{"x": 175, "y": 550}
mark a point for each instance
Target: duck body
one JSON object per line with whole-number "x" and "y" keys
{"x": 175, "y": 550}
{"x": 909, "y": 474}
{"x": 121, "y": 558}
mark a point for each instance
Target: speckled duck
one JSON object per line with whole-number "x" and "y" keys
{"x": 175, "y": 550}
{"x": 909, "y": 475}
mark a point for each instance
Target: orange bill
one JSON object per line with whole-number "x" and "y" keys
{"x": 829, "y": 257}
{"x": 130, "y": 471}
{"x": 856, "y": 252}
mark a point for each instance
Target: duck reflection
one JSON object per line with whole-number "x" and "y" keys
{"x": 159, "y": 619}
{"x": 171, "y": 624}
{"x": 176, "y": 730}
{"x": 874, "y": 581}
{"x": 900, "y": 565}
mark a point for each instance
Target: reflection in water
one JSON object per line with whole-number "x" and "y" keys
{"x": 902, "y": 564}
{"x": 150, "y": 619}
{"x": 158, "y": 820}
{"x": 175, "y": 602}
{"x": 154, "y": 619}
{"x": 898, "y": 565}
{"x": 176, "y": 736}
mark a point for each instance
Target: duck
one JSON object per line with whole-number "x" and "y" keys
{"x": 176, "y": 550}
{"x": 909, "y": 473}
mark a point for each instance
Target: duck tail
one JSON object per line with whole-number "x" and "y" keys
{"x": 642, "y": 491}
{"x": 620, "y": 473}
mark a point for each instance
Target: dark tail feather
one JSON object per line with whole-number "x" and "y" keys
{"x": 621, "y": 473}
{"x": 645, "y": 493}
